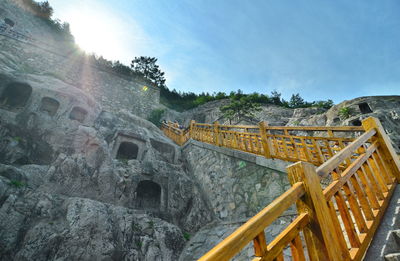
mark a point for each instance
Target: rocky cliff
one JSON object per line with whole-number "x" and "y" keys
{"x": 84, "y": 177}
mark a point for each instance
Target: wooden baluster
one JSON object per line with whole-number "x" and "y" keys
{"x": 280, "y": 257}
{"x": 376, "y": 171}
{"x": 318, "y": 151}
{"x": 381, "y": 164}
{"x": 385, "y": 145}
{"x": 355, "y": 208}
{"x": 368, "y": 189}
{"x": 375, "y": 186}
{"x": 338, "y": 229}
{"x": 260, "y": 244}
{"x": 362, "y": 197}
{"x": 191, "y": 128}
{"x": 305, "y": 148}
{"x": 322, "y": 241}
{"x": 296, "y": 247}
{"x": 347, "y": 220}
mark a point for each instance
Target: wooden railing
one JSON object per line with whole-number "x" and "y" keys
{"x": 311, "y": 144}
{"x": 172, "y": 130}
{"x": 335, "y": 223}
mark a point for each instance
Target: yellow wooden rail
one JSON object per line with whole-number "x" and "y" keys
{"x": 335, "y": 223}
{"x": 311, "y": 144}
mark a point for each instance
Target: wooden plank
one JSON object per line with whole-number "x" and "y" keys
{"x": 308, "y": 128}
{"x": 231, "y": 245}
{"x": 335, "y": 161}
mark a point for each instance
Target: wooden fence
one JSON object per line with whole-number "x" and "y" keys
{"x": 311, "y": 144}
{"x": 335, "y": 223}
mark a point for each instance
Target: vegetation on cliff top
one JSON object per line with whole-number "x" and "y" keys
{"x": 147, "y": 68}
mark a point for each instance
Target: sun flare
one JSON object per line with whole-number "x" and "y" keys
{"x": 96, "y": 32}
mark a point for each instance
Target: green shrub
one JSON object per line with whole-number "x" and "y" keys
{"x": 187, "y": 236}
{"x": 17, "y": 183}
{"x": 345, "y": 112}
{"x": 155, "y": 117}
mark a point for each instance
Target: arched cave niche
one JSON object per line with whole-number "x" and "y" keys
{"x": 356, "y": 123}
{"x": 127, "y": 150}
{"x": 78, "y": 114}
{"x": 49, "y": 105}
{"x": 15, "y": 96}
{"x": 9, "y": 22}
{"x": 364, "y": 108}
{"x": 148, "y": 195}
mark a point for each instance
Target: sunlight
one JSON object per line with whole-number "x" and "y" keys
{"x": 97, "y": 32}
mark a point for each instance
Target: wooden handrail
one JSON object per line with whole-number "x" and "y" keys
{"x": 247, "y": 232}
{"x": 263, "y": 139}
{"x": 364, "y": 175}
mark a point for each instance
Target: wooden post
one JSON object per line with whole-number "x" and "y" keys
{"x": 216, "y": 138}
{"x": 264, "y": 140}
{"x": 320, "y": 236}
{"x": 389, "y": 154}
{"x": 191, "y": 128}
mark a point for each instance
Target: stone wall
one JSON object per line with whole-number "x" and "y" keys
{"x": 236, "y": 184}
{"x": 42, "y": 56}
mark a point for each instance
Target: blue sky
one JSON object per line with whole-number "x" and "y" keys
{"x": 321, "y": 49}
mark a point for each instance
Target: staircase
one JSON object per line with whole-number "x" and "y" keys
{"x": 334, "y": 222}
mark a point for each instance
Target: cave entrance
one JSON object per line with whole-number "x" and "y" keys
{"x": 356, "y": 123}
{"x": 15, "y": 96}
{"x": 78, "y": 114}
{"x": 127, "y": 150}
{"x": 148, "y": 195}
{"x": 364, "y": 108}
{"x": 49, "y": 105}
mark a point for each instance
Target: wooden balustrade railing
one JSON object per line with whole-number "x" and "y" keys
{"x": 335, "y": 223}
{"x": 311, "y": 144}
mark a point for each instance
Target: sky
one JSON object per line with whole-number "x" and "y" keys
{"x": 321, "y": 49}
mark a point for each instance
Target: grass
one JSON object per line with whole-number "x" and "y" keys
{"x": 17, "y": 183}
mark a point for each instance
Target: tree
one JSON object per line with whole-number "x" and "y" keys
{"x": 276, "y": 97}
{"x": 296, "y": 101}
{"x": 239, "y": 108}
{"x": 149, "y": 69}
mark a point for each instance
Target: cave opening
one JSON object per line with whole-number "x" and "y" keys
{"x": 356, "y": 123}
{"x": 364, "y": 108}
{"x": 148, "y": 195}
{"x": 78, "y": 114}
{"x": 49, "y": 105}
{"x": 15, "y": 96}
{"x": 127, "y": 150}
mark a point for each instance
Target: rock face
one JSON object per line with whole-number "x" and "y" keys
{"x": 82, "y": 175}
{"x": 347, "y": 113}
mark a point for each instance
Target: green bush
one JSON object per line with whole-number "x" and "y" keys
{"x": 17, "y": 183}
{"x": 344, "y": 112}
{"x": 187, "y": 236}
{"x": 155, "y": 117}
